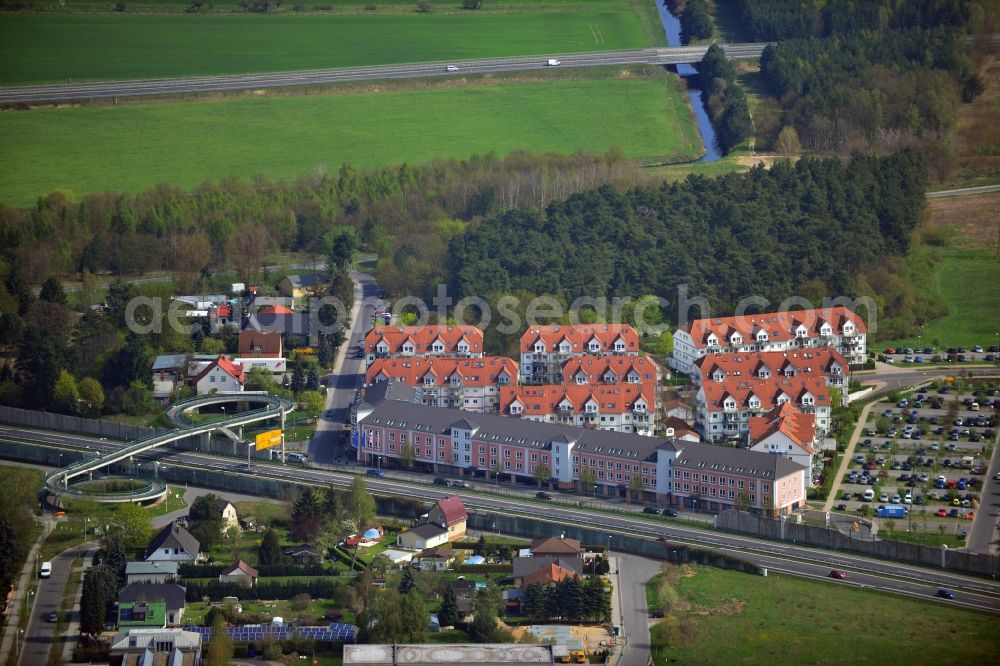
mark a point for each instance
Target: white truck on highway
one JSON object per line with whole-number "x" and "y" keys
{"x": 552, "y": 62}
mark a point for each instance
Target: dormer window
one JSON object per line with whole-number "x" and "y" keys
{"x": 736, "y": 339}
{"x": 591, "y": 407}
{"x": 456, "y": 380}
{"x": 633, "y": 378}
{"x": 620, "y": 345}
{"x": 463, "y": 347}
{"x": 539, "y": 347}
{"x": 428, "y": 380}
{"x": 640, "y": 406}
{"x": 610, "y": 378}
{"x": 594, "y": 345}
{"x": 564, "y": 347}
{"x": 515, "y": 407}
{"x": 408, "y": 348}
{"x": 581, "y": 378}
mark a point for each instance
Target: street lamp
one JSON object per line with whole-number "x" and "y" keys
{"x": 609, "y": 545}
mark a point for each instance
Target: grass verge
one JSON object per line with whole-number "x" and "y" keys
{"x": 720, "y": 616}
{"x": 132, "y": 147}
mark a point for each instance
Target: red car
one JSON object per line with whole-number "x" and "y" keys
{"x": 890, "y": 350}
{"x": 838, "y": 574}
{"x": 941, "y": 513}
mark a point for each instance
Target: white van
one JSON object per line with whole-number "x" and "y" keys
{"x": 869, "y": 495}
{"x": 296, "y": 458}
{"x": 552, "y": 62}
{"x": 46, "y": 570}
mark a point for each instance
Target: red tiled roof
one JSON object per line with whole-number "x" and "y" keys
{"x": 611, "y": 398}
{"x": 413, "y": 371}
{"x": 814, "y": 361}
{"x": 595, "y": 367}
{"x": 779, "y": 326}
{"x": 767, "y": 391}
{"x": 453, "y": 509}
{"x": 234, "y": 370}
{"x": 551, "y": 573}
{"x": 579, "y": 336}
{"x": 423, "y": 338}
{"x": 262, "y": 343}
{"x": 788, "y": 420}
{"x": 241, "y": 566}
{"x": 274, "y": 309}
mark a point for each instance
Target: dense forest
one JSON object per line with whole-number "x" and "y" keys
{"x": 860, "y": 74}
{"x": 811, "y": 229}
{"x": 694, "y": 17}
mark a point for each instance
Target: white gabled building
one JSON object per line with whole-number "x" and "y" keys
{"x": 220, "y": 376}
{"x": 837, "y": 327}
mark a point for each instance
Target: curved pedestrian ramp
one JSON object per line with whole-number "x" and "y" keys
{"x": 273, "y": 406}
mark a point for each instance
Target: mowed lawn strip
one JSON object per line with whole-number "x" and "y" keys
{"x": 40, "y": 48}
{"x": 135, "y": 146}
{"x": 728, "y": 617}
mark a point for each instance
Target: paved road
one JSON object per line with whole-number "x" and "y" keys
{"x": 634, "y": 571}
{"x": 964, "y": 191}
{"x": 69, "y": 92}
{"x": 886, "y": 575}
{"x": 328, "y": 444}
{"x": 38, "y": 638}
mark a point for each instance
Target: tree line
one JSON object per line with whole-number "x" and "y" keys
{"x": 811, "y": 228}
{"x": 572, "y": 599}
{"x": 724, "y": 99}
{"x": 694, "y": 16}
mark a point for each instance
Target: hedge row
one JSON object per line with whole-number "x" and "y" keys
{"x": 485, "y": 568}
{"x": 213, "y": 570}
{"x": 318, "y": 588}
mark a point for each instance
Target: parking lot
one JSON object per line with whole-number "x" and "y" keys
{"x": 923, "y": 460}
{"x": 933, "y": 355}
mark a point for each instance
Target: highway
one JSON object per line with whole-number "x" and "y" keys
{"x": 92, "y": 91}
{"x": 972, "y": 592}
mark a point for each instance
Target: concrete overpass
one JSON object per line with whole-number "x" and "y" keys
{"x": 57, "y": 481}
{"x": 94, "y": 91}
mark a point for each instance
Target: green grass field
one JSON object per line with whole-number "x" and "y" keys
{"x": 969, "y": 280}
{"x": 58, "y": 47}
{"x": 725, "y": 617}
{"x": 135, "y": 146}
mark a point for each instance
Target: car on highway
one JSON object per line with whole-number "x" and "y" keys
{"x": 944, "y": 593}
{"x": 440, "y": 481}
{"x": 651, "y": 509}
{"x": 542, "y": 495}
{"x": 552, "y": 62}
{"x": 451, "y": 68}
{"x": 46, "y": 570}
{"x": 458, "y": 483}
{"x": 838, "y": 574}
{"x": 376, "y": 472}
{"x": 670, "y": 513}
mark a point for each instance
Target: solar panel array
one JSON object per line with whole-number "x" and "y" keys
{"x": 261, "y": 632}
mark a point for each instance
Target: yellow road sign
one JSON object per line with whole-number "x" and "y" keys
{"x": 266, "y": 440}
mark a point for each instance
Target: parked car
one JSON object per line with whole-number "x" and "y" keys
{"x": 670, "y": 513}
{"x": 458, "y": 483}
{"x": 440, "y": 481}
{"x": 841, "y": 507}
{"x": 542, "y": 495}
{"x": 652, "y": 510}
{"x": 376, "y": 472}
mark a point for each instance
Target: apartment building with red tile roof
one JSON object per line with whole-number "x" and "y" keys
{"x": 544, "y": 349}
{"x": 784, "y": 431}
{"x": 819, "y": 362}
{"x": 836, "y": 327}
{"x": 465, "y": 383}
{"x": 723, "y": 409}
{"x": 431, "y": 340}
{"x": 610, "y": 370}
{"x": 620, "y": 407}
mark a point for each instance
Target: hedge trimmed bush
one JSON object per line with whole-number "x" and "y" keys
{"x": 213, "y": 570}
{"x": 318, "y": 588}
